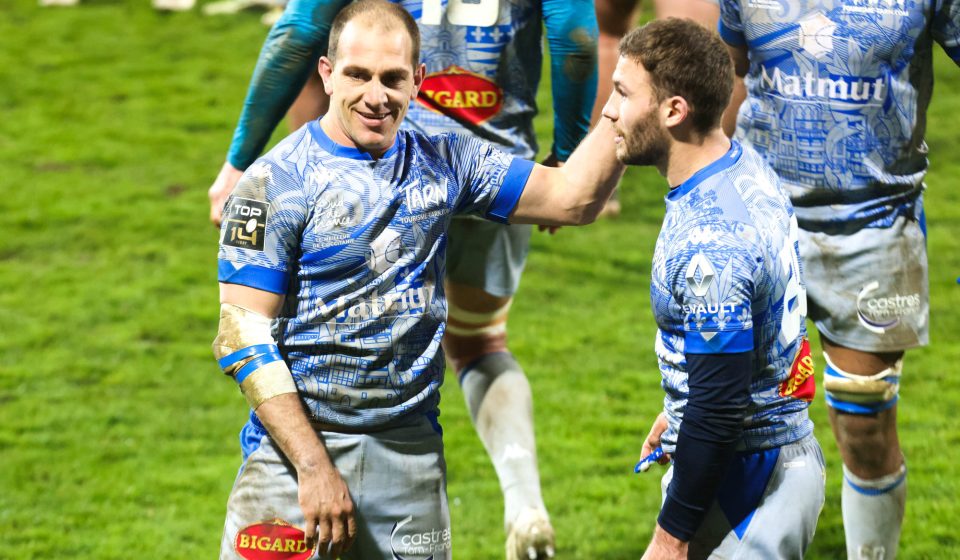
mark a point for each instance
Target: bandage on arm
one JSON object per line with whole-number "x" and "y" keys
{"x": 244, "y": 347}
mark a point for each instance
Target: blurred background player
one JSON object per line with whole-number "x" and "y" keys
{"x": 483, "y": 62}
{"x": 747, "y": 479}
{"x": 615, "y": 18}
{"x": 163, "y": 5}
{"x": 837, "y": 100}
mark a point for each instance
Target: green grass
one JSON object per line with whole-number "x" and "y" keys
{"x": 118, "y": 433}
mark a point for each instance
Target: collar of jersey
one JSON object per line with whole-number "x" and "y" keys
{"x": 725, "y": 161}
{"x": 345, "y": 151}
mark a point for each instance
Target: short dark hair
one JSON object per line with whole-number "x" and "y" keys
{"x": 385, "y": 14}
{"x": 686, "y": 59}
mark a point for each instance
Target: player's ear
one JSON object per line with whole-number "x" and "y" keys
{"x": 419, "y": 74}
{"x": 674, "y": 111}
{"x": 325, "y": 68}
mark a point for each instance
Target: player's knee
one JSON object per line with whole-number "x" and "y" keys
{"x": 471, "y": 334}
{"x": 861, "y": 394}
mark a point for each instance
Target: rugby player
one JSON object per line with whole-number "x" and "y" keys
{"x": 483, "y": 62}
{"x": 747, "y": 479}
{"x": 614, "y": 19}
{"x": 332, "y": 255}
{"x": 837, "y": 100}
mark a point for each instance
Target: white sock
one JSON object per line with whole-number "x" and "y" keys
{"x": 501, "y": 406}
{"x": 873, "y": 514}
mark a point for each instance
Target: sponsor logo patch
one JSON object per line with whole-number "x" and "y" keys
{"x": 405, "y": 545}
{"x": 800, "y": 384}
{"x": 272, "y": 540}
{"x": 880, "y": 314}
{"x": 245, "y": 223}
{"x": 461, "y": 95}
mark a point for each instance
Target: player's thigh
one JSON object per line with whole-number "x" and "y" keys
{"x": 786, "y": 519}
{"x": 486, "y": 255}
{"x": 615, "y": 17}
{"x": 263, "y": 511}
{"x": 868, "y": 291}
{"x": 402, "y": 497}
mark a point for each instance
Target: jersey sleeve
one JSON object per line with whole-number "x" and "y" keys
{"x": 572, "y": 37}
{"x": 730, "y": 25}
{"x": 714, "y": 284}
{"x": 288, "y": 55}
{"x": 945, "y": 27}
{"x": 263, "y": 223}
{"x": 490, "y": 181}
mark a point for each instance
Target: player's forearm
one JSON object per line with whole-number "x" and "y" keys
{"x": 287, "y": 422}
{"x": 591, "y": 174}
{"x": 719, "y": 396}
{"x": 286, "y": 60}
{"x": 572, "y": 37}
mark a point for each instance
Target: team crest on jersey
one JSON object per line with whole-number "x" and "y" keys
{"x": 800, "y": 384}
{"x": 272, "y": 540}
{"x": 461, "y": 95}
{"x": 245, "y": 223}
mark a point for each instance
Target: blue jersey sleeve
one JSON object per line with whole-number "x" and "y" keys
{"x": 572, "y": 38}
{"x": 730, "y": 25}
{"x": 262, "y": 226}
{"x": 289, "y": 54}
{"x": 715, "y": 287}
{"x": 489, "y": 181}
{"x": 945, "y": 27}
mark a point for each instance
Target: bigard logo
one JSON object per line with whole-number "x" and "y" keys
{"x": 800, "y": 384}
{"x": 272, "y": 540}
{"x": 461, "y": 95}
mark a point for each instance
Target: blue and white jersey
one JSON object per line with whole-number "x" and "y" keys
{"x": 726, "y": 279}
{"x": 357, "y": 246}
{"x": 837, "y": 99}
{"x": 483, "y": 61}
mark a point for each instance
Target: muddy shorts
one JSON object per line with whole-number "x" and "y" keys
{"x": 868, "y": 290}
{"x": 767, "y": 506}
{"x": 397, "y": 480}
{"x": 487, "y": 255}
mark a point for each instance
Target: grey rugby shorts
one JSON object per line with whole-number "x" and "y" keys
{"x": 767, "y": 507}
{"x": 397, "y": 480}
{"x": 869, "y": 290}
{"x": 487, "y": 255}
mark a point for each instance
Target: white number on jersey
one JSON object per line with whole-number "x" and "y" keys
{"x": 474, "y": 13}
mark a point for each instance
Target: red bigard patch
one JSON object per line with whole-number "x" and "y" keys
{"x": 801, "y": 384}
{"x": 461, "y": 95}
{"x": 272, "y": 540}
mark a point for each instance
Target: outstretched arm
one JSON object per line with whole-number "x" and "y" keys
{"x": 243, "y": 350}
{"x": 575, "y": 193}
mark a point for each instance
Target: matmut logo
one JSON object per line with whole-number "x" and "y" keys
{"x": 461, "y": 95}
{"x": 272, "y": 540}
{"x": 810, "y": 85}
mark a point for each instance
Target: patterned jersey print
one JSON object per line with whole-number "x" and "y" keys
{"x": 483, "y": 60}
{"x": 726, "y": 278}
{"x": 837, "y": 100}
{"x": 357, "y": 245}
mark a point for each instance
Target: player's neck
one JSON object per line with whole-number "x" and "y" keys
{"x": 686, "y": 158}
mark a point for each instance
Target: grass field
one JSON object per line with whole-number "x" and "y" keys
{"x": 118, "y": 434}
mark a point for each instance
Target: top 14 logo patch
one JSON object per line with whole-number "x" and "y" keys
{"x": 245, "y": 223}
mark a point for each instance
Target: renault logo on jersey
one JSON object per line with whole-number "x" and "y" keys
{"x": 461, "y": 95}
{"x": 816, "y": 35}
{"x": 700, "y": 274}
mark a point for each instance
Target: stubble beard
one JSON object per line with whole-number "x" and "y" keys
{"x": 647, "y": 143}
